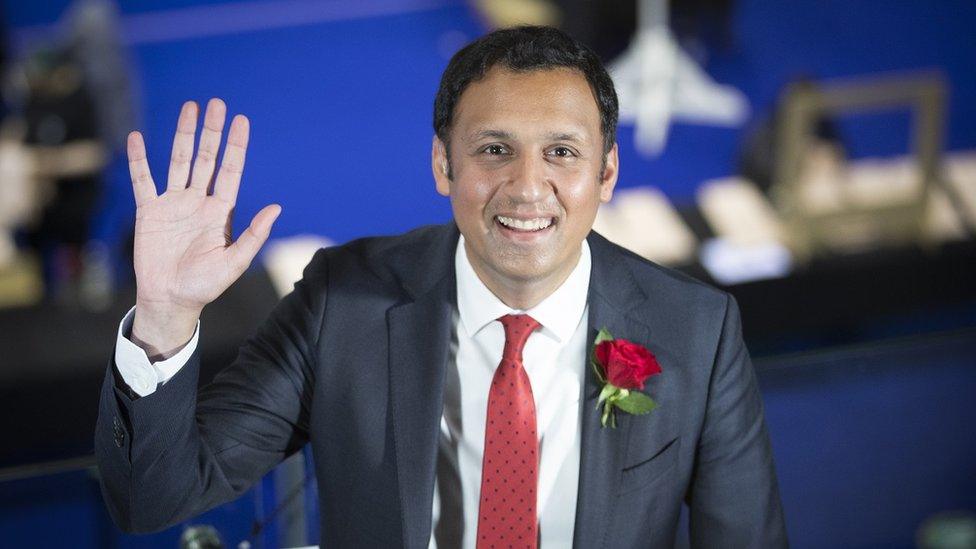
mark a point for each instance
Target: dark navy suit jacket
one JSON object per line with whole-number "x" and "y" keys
{"x": 353, "y": 361}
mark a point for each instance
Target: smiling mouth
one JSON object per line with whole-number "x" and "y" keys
{"x": 535, "y": 224}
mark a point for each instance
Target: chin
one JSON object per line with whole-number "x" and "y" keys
{"x": 523, "y": 267}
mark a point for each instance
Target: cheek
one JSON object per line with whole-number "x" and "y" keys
{"x": 469, "y": 200}
{"x": 576, "y": 197}
{"x": 580, "y": 200}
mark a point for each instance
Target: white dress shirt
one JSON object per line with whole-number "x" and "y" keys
{"x": 554, "y": 359}
{"x": 138, "y": 373}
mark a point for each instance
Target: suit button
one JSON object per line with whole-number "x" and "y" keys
{"x": 118, "y": 431}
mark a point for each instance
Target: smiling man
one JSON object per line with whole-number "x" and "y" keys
{"x": 526, "y": 162}
{"x": 443, "y": 377}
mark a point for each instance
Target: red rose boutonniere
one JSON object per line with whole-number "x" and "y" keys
{"x": 622, "y": 367}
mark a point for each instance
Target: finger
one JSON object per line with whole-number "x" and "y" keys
{"x": 143, "y": 187}
{"x": 243, "y": 251}
{"x": 179, "y": 162}
{"x": 213, "y": 127}
{"x": 232, "y": 166}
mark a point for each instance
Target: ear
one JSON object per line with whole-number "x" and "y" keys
{"x": 439, "y": 165}
{"x": 608, "y": 179}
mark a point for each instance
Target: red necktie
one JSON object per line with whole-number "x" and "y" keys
{"x": 510, "y": 466}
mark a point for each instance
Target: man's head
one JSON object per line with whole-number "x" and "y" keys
{"x": 525, "y": 121}
{"x": 524, "y": 49}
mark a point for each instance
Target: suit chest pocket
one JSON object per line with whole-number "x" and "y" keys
{"x": 645, "y": 472}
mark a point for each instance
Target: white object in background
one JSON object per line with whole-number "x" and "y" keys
{"x": 286, "y": 258}
{"x": 657, "y": 81}
{"x": 738, "y": 211}
{"x": 19, "y": 194}
{"x": 644, "y": 221}
{"x": 942, "y": 221}
{"x": 730, "y": 262}
{"x": 960, "y": 175}
{"x": 750, "y": 243}
{"x": 879, "y": 182}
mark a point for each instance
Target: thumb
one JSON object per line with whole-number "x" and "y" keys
{"x": 249, "y": 243}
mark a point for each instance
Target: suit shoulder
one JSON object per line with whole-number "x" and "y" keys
{"x": 385, "y": 258}
{"x": 665, "y": 282}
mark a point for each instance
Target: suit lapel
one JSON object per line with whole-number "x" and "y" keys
{"x": 420, "y": 332}
{"x": 612, "y": 292}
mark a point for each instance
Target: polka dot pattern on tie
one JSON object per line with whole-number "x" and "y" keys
{"x": 510, "y": 467}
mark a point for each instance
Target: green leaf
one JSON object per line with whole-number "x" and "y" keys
{"x": 608, "y": 416}
{"x": 601, "y": 336}
{"x": 607, "y": 393}
{"x": 636, "y": 403}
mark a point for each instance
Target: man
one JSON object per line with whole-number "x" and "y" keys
{"x": 391, "y": 355}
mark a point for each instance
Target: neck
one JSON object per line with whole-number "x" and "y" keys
{"x": 522, "y": 294}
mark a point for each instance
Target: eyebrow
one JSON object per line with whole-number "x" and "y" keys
{"x": 501, "y": 134}
{"x": 565, "y": 136}
{"x": 490, "y": 134}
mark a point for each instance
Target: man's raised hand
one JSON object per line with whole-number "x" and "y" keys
{"x": 184, "y": 255}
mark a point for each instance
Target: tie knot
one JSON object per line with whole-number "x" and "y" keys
{"x": 517, "y": 331}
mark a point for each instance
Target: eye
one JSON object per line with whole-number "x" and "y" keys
{"x": 562, "y": 152}
{"x": 495, "y": 149}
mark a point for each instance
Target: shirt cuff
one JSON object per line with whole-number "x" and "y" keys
{"x": 133, "y": 364}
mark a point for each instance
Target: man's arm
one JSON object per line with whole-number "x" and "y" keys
{"x": 167, "y": 455}
{"x": 734, "y": 497}
{"x": 173, "y": 453}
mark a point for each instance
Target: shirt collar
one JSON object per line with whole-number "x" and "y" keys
{"x": 559, "y": 313}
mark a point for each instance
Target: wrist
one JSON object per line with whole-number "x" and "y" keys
{"x": 162, "y": 330}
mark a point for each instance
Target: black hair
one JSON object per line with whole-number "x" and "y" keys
{"x": 524, "y": 49}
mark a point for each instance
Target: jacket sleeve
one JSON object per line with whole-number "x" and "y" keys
{"x": 734, "y": 498}
{"x": 176, "y": 452}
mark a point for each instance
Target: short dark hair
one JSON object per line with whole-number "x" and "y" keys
{"x": 524, "y": 49}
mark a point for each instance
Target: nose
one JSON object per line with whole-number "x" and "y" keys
{"x": 529, "y": 179}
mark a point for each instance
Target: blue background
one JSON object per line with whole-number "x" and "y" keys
{"x": 868, "y": 441}
{"x": 341, "y": 108}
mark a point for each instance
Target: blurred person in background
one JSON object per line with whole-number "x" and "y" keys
{"x": 68, "y": 102}
{"x": 62, "y": 133}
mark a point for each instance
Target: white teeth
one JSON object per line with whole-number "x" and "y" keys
{"x": 536, "y": 224}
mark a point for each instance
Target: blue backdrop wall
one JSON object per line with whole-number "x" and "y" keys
{"x": 340, "y": 94}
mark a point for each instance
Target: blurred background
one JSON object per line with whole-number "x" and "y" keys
{"x": 815, "y": 158}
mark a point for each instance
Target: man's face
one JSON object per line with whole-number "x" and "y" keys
{"x": 526, "y": 152}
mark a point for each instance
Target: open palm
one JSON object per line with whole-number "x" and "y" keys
{"x": 184, "y": 254}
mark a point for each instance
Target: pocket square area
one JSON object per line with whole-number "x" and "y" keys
{"x": 647, "y": 471}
